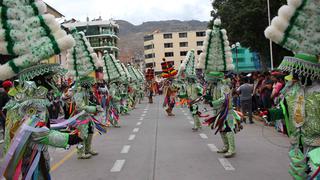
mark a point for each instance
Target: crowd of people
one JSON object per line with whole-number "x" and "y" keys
{"x": 46, "y": 105}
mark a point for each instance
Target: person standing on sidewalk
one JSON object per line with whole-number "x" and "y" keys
{"x": 245, "y": 91}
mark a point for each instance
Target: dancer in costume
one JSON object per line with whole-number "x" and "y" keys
{"x": 124, "y": 89}
{"x": 217, "y": 57}
{"x": 29, "y": 36}
{"x": 82, "y": 61}
{"x": 170, "y": 93}
{"x": 141, "y": 85}
{"x": 296, "y": 28}
{"x": 150, "y": 81}
{"x": 113, "y": 74}
{"x": 193, "y": 90}
{"x": 133, "y": 87}
{"x": 170, "y": 90}
{"x": 114, "y": 105}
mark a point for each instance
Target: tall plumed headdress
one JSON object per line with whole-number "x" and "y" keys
{"x": 28, "y": 35}
{"x": 216, "y": 55}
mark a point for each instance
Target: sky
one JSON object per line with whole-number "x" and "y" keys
{"x": 134, "y": 11}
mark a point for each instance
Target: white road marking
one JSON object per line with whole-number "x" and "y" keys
{"x": 145, "y": 112}
{"x": 131, "y": 137}
{"x": 139, "y": 123}
{"x": 146, "y": 109}
{"x": 213, "y": 147}
{"x": 190, "y": 118}
{"x": 143, "y": 115}
{"x": 203, "y": 136}
{"x": 135, "y": 130}
{"x": 191, "y": 122}
{"x": 226, "y": 164}
{"x": 141, "y": 119}
{"x": 118, "y": 165}
{"x": 1, "y": 141}
{"x": 186, "y": 114}
{"x": 125, "y": 149}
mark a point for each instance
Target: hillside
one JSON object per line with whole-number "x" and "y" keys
{"x": 131, "y": 36}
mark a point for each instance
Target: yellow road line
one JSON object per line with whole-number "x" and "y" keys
{"x": 65, "y": 158}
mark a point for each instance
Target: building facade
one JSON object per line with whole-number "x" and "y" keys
{"x": 102, "y": 35}
{"x": 244, "y": 60}
{"x": 173, "y": 46}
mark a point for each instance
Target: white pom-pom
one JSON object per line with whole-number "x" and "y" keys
{"x": 226, "y": 43}
{"x": 42, "y": 7}
{"x": 228, "y": 54}
{"x": 229, "y": 60}
{"x": 224, "y": 32}
{"x": 217, "y": 22}
{"x": 286, "y": 12}
{"x": 230, "y": 67}
{"x": 273, "y": 34}
{"x": 227, "y": 48}
{"x": 225, "y": 37}
{"x": 59, "y": 34}
{"x": 6, "y": 72}
{"x": 3, "y": 47}
{"x": 66, "y": 43}
{"x": 208, "y": 32}
{"x": 280, "y": 23}
{"x": 90, "y": 49}
{"x": 182, "y": 67}
{"x": 294, "y": 3}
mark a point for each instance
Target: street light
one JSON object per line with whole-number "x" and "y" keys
{"x": 236, "y": 46}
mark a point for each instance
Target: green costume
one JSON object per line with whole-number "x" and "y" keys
{"x": 82, "y": 61}
{"x": 29, "y": 36}
{"x": 217, "y": 57}
{"x": 296, "y": 28}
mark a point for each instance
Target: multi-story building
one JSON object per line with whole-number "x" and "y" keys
{"x": 102, "y": 35}
{"x": 173, "y": 46}
{"x": 244, "y": 60}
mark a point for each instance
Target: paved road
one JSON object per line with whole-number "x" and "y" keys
{"x": 152, "y": 146}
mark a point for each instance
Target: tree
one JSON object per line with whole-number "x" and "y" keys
{"x": 246, "y": 21}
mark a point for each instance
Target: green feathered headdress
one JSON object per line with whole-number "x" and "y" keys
{"x": 112, "y": 69}
{"x": 29, "y": 35}
{"x": 296, "y": 27}
{"x": 81, "y": 59}
{"x": 216, "y": 55}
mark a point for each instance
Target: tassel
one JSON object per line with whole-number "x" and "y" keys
{"x": 18, "y": 171}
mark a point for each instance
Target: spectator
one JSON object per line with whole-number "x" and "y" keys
{"x": 245, "y": 91}
{"x": 255, "y": 95}
{"x": 277, "y": 86}
{"x": 265, "y": 96}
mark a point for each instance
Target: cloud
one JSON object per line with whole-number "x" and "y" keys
{"x": 134, "y": 11}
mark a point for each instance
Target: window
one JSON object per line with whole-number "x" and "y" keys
{"x": 183, "y": 44}
{"x": 168, "y": 54}
{"x": 199, "y": 43}
{"x": 199, "y": 52}
{"x": 150, "y": 65}
{"x": 167, "y": 36}
{"x": 148, "y": 56}
{"x": 151, "y": 46}
{"x": 201, "y": 34}
{"x": 183, "y": 35}
{"x": 168, "y": 45}
{"x": 148, "y": 37}
{"x": 183, "y": 53}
